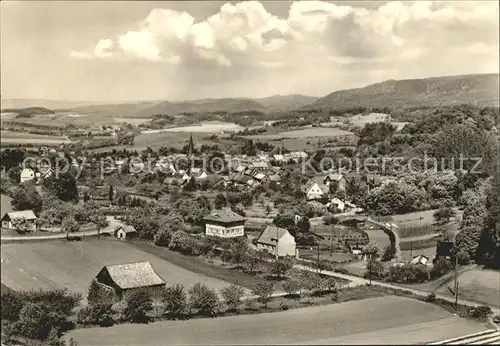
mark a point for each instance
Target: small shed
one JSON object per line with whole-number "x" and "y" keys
{"x": 28, "y": 215}
{"x": 124, "y": 232}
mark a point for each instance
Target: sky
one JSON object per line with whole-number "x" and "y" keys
{"x": 113, "y": 51}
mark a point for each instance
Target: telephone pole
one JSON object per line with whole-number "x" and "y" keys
{"x": 318, "y": 258}
{"x": 456, "y": 282}
{"x": 370, "y": 264}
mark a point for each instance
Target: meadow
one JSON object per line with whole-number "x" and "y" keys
{"x": 204, "y": 127}
{"x": 72, "y": 265}
{"x": 479, "y": 285}
{"x": 303, "y": 133}
{"x": 25, "y": 137}
{"x": 352, "y": 322}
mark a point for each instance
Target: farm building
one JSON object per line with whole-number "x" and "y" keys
{"x": 126, "y": 278}
{"x": 278, "y": 241}
{"x": 27, "y": 174}
{"x": 29, "y": 215}
{"x": 224, "y": 223}
{"x": 125, "y": 232}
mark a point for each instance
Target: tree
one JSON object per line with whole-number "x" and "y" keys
{"x": 69, "y": 225}
{"x": 443, "y": 214}
{"x": 100, "y": 221}
{"x": 281, "y": 266}
{"x": 203, "y": 299}
{"x": 292, "y": 286}
{"x": 304, "y": 224}
{"x": 162, "y": 238}
{"x": 238, "y": 250}
{"x": 264, "y": 290}
{"x": 11, "y": 305}
{"x": 99, "y": 314}
{"x": 63, "y": 187}
{"x": 175, "y": 300}
{"x": 99, "y": 294}
{"x": 111, "y": 193}
{"x": 137, "y": 305}
{"x": 488, "y": 249}
{"x": 374, "y": 270}
{"x": 26, "y": 197}
{"x": 389, "y": 253}
{"x": 220, "y": 201}
{"x": 252, "y": 261}
{"x": 371, "y": 249}
{"x": 441, "y": 267}
{"x": 232, "y": 296}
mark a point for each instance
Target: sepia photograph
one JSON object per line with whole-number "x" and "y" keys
{"x": 268, "y": 172}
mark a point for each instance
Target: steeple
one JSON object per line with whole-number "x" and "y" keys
{"x": 191, "y": 146}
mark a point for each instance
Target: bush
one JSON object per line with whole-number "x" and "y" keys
{"x": 281, "y": 266}
{"x": 463, "y": 258}
{"x": 375, "y": 270}
{"x": 284, "y": 306}
{"x": 162, "y": 238}
{"x": 431, "y": 297}
{"x": 232, "y": 296}
{"x": 137, "y": 305}
{"x": 264, "y": 290}
{"x": 203, "y": 299}
{"x": 100, "y": 294}
{"x": 341, "y": 270}
{"x": 96, "y": 315}
{"x": 175, "y": 301}
{"x": 481, "y": 311}
{"x": 292, "y": 286}
{"x": 408, "y": 274}
{"x": 11, "y": 305}
{"x": 441, "y": 267}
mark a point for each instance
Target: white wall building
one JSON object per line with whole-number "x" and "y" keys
{"x": 278, "y": 241}
{"x": 224, "y": 223}
{"x": 27, "y": 174}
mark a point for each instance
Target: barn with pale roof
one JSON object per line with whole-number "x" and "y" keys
{"x": 126, "y": 278}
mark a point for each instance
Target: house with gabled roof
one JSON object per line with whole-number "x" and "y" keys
{"x": 224, "y": 223}
{"x": 125, "y": 231}
{"x": 277, "y": 241}
{"x": 28, "y": 215}
{"x": 130, "y": 277}
{"x": 315, "y": 189}
{"x": 338, "y": 179}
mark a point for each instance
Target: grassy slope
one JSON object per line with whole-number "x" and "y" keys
{"x": 196, "y": 265}
{"x": 72, "y": 265}
{"x": 304, "y": 325}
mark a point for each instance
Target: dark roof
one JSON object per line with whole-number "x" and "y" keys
{"x": 224, "y": 215}
{"x": 134, "y": 275}
{"x": 271, "y": 235}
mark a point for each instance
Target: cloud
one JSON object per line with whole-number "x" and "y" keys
{"x": 313, "y": 33}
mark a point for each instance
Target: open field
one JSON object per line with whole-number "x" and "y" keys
{"x": 25, "y": 137}
{"x": 173, "y": 139}
{"x": 304, "y": 132}
{"x": 6, "y": 206}
{"x": 480, "y": 285}
{"x": 425, "y": 322}
{"x": 72, "y": 265}
{"x": 196, "y": 265}
{"x": 206, "y": 127}
{"x": 378, "y": 236}
{"x": 133, "y": 121}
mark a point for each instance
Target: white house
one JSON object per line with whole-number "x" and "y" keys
{"x": 124, "y": 232}
{"x": 314, "y": 190}
{"x": 29, "y": 215}
{"x": 224, "y": 223}
{"x": 337, "y": 203}
{"x": 27, "y": 174}
{"x": 277, "y": 241}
